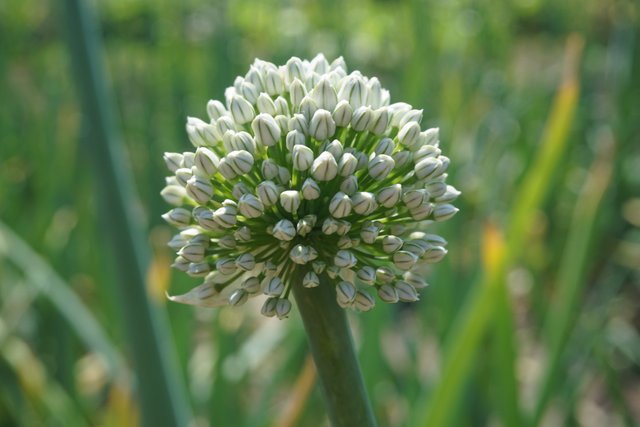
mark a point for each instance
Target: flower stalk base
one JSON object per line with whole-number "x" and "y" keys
{"x": 332, "y": 348}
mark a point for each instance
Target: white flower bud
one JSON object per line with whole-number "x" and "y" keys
{"x": 268, "y": 193}
{"x": 310, "y": 280}
{"x": 369, "y": 234}
{"x": 414, "y": 280}
{"x": 306, "y": 224}
{"x": 324, "y": 95}
{"x": 241, "y": 110}
{"x": 318, "y": 266}
{"x": 375, "y": 92}
{"x": 346, "y": 292}
{"x": 406, "y": 292}
{"x": 364, "y": 203}
{"x": 198, "y": 269}
{"x": 179, "y": 217}
{"x": 385, "y": 146}
{"x": 225, "y": 216}
{"x": 421, "y": 212}
{"x": 301, "y": 156}
{"x": 299, "y": 122}
{"x": 390, "y": 196}
{"x": 192, "y": 252}
{"x": 344, "y": 259}
{"x": 295, "y": 137}
{"x": 251, "y": 285}
{"x": 404, "y": 260}
{"x": 266, "y": 105}
{"x": 402, "y": 158}
{"x": 449, "y": 196}
{"x": 398, "y": 110}
{"x": 413, "y": 198}
{"x": 177, "y": 242}
{"x": 391, "y": 244}
{"x": 308, "y": 108}
{"x": 345, "y": 242}
{"x": 367, "y": 274}
{"x": 310, "y": 189}
{"x": 343, "y": 227}
{"x": 282, "y": 107}
{"x": 384, "y": 275}
{"x": 410, "y": 116}
{"x": 425, "y": 151}
{"x": 342, "y": 114}
{"x": 249, "y": 91}
{"x": 324, "y": 167}
{"x": 340, "y": 205}
{"x": 273, "y": 83}
{"x": 183, "y": 175}
{"x": 206, "y": 161}
{"x": 347, "y": 164}
{"x": 297, "y": 92}
{"x": 290, "y": 200}
{"x": 388, "y": 293}
{"x": 224, "y": 124}
{"x": 362, "y": 119}
{"x": 199, "y": 189}
{"x": 172, "y": 160}
{"x": 242, "y": 234}
{"x": 206, "y": 221}
{"x": 215, "y": 109}
{"x": 226, "y": 266}
{"x": 283, "y": 307}
{"x": 283, "y": 123}
{"x": 273, "y": 286}
{"x": 364, "y": 301}
{"x": 284, "y": 176}
{"x": 354, "y": 91}
{"x": 350, "y": 185}
{"x": 443, "y": 212}
{"x": 200, "y": 133}
{"x": 241, "y": 161}
{"x": 250, "y": 206}
{"x": 329, "y": 226}
{"x": 434, "y": 254}
{"x": 269, "y": 169}
{"x": 181, "y": 264}
{"x": 240, "y": 189}
{"x": 299, "y": 254}
{"x": 269, "y": 307}
{"x": 226, "y": 170}
{"x": 431, "y": 137}
{"x": 426, "y": 167}
{"x": 380, "y": 121}
{"x": 380, "y": 167}
{"x": 266, "y": 130}
{"x": 238, "y": 297}
{"x": 436, "y": 188}
{"x": 284, "y": 230}
{"x": 254, "y": 76}
{"x": 294, "y": 69}
{"x": 408, "y": 135}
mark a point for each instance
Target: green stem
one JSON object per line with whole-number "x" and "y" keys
{"x": 331, "y": 345}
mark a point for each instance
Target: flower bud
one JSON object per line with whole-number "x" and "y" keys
{"x": 302, "y": 156}
{"x": 414, "y": 280}
{"x": 173, "y": 194}
{"x": 364, "y": 301}
{"x": 434, "y": 254}
{"x": 443, "y": 212}
{"x": 322, "y": 125}
{"x": 250, "y": 206}
{"x": 324, "y": 95}
{"x": 367, "y": 274}
{"x": 308, "y": 108}
{"x": 354, "y": 91}
{"x": 265, "y": 105}
{"x": 329, "y": 226}
{"x": 199, "y": 189}
{"x": 225, "y": 216}
{"x": 273, "y": 83}
{"x": 350, "y": 185}
{"x": 402, "y": 158}
{"x": 347, "y": 164}
{"x": 299, "y": 122}
{"x": 345, "y": 292}
{"x": 295, "y": 137}
{"x": 284, "y": 230}
{"x": 345, "y": 259}
{"x": 388, "y": 293}
{"x": 226, "y": 266}
{"x": 409, "y": 134}
{"x": 436, "y": 188}
{"x": 215, "y": 109}
{"x": 342, "y": 114}
{"x": 249, "y": 91}
{"x": 406, "y": 292}
{"x": 241, "y": 110}
{"x": 449, "y": 196}
{"x": 200, "y": 133}
{"x": 380, "y": 121}
{"x": 340, "y": 205}
{"x": 283, "y": 307}
{"x": 290, "y": 200}
{"x": 391, "y": 244}
{"x": 385, "y": 146}
{"x": 172, "y": 160}
{"x": 343, "y": 227}
{"x": 410, "y": 116}
{"x": 324, "y": 167}
{"x": 268, "y": 193}
{"x": 206, "y": 161}
{"x": 404, "y": 260}
{"x": 294, "y": 69}
{"x": 426, "y": 167}
{"x": 380, "y": 167}
{"x": 310, "y": 189}
{"x": 362, "y": 119}
{"x": 390, "y": 196}
{"x": 369, "y": 234}
{"x": 198, "y": 269}
{"x": 238, "y": 297}
{"x": 310, "y": 280}
{"x": 269, "y": 307}
{"x": 251, "y": 285}
{"x": 413, "y": 198}
{"x": 266, "y": 130}
{"x": 273, "y": 287}
{"x": 241, "y": 161}
{"x": 421, "y": 212}
{"x": 425, "y": 151}
{"x": 192, "y": 252}
{"x": 431, "y": 137}
{"x": 179, "y": 217}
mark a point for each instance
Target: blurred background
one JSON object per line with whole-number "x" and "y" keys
{"x": 532, "y": 319}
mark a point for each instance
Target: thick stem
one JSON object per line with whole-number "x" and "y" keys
{"x": 331, "y": 345}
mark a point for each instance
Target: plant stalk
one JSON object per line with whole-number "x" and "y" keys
{"x": 332, "y": 349}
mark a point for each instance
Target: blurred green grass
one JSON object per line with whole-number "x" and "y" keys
{"x": 564, "y": 311}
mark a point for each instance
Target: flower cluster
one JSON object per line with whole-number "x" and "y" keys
{"x": 307, "y": 171}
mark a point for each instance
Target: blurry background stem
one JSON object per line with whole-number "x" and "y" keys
{"x": 162, "y": 400}
{"x": 331, "y": 345}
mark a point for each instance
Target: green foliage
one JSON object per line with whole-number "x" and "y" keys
{"x": 533, "y": 318}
